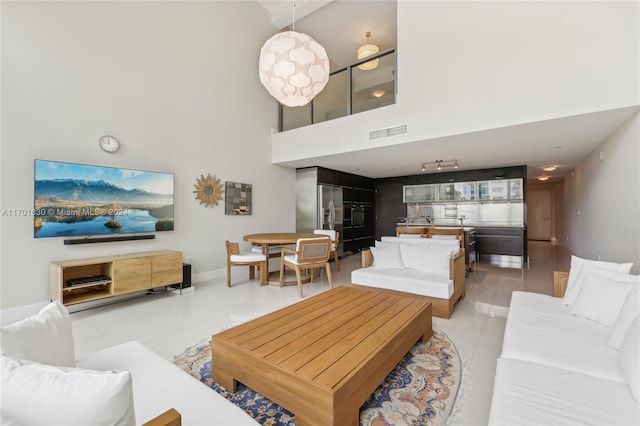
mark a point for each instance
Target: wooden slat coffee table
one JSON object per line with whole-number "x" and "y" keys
{"x": 323, "y": 357}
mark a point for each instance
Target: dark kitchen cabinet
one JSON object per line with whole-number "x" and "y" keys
{"x": 510, "y": 241}
{"x": 358, "y": 195}
{"x": 389, "y": 205}
{"x": 327, "y": 176}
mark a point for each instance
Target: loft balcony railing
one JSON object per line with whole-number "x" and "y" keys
{"x": 350, "y": 90}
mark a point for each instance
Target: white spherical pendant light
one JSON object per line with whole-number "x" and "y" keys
{"x": 293, "y": 68}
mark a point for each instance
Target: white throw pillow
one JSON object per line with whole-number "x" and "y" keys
{"x": 387, "y": 257}
{"x": 630, "y": 310}
{"x": 413, "y": 255}
{"x": 45, "y": 337}
{"x": 39, "y": 394}
{"x": 629, "y": 356}
{"x": 601, "y": 298}
{"x": 445, "y": 249}
{"x": 579, "y": 267}
{"x": 436, "y": 261}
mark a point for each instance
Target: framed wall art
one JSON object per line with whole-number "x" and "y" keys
{"x": 238, "y": 198}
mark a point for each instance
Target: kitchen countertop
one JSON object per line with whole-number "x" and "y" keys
{"x": 467, "y": 226}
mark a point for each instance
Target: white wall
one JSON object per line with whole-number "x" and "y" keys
{"x": 470, "y": 66}
{"x": 176, "y": 82}
{"x": 602, "y": 204}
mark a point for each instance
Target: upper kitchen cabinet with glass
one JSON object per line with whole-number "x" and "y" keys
{"x": 457, "y": 191}
{"x": 515, "y": 189}
{"x": 500, "y": 190}
{"x": 419, "y": 193}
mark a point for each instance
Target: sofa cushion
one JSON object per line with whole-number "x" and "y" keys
{"x": 540, "y": 329}
{"x": 45, "y": 337}
{"x": 629, "y": 311}
{"x": 159, "y": 385}
{"x": 536, "y": 394}
{"x": 387, "y": 257}
{"x": 39, "y": 394}
{"x": 406, "y": 280}
{"x": 581, "y": 266}
{"x": 601, "y": 298}
{"x": 630, "y": 358}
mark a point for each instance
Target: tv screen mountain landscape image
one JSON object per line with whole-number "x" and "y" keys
{"x": 81, "y": 200}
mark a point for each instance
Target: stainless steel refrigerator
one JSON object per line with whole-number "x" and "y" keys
{"x": 318, "y": 206}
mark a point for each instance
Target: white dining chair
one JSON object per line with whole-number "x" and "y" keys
{"x": 334, "y": 236}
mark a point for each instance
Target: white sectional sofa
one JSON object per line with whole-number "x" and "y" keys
{"x": 430, "y": 268}
{"x": 572, "y": 360}
{"x": 127, "y": 384}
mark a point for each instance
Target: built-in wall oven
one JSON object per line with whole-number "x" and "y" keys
{"x": 359, "y": 224}
{"x": 357, "y": 215}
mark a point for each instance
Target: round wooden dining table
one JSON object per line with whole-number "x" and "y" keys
{"x": 277, "y": 238}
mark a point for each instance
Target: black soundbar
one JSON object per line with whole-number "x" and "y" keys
{"x": 90, "y": 240}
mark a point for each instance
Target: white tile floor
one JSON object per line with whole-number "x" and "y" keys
{"x": 169, "y": 322}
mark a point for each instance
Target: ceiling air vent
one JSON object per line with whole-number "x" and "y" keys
{"x": 385, "y": 133}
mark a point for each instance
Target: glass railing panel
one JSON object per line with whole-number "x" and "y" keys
{"x": 350, "y": 90}
{"x": 294, "y": 117}
{"x": 374, "y": 88}
{"x": 332, "y": 101}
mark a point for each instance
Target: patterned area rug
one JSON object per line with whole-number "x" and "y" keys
{"x": 421, "y": 390}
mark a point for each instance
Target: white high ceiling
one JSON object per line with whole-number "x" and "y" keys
{"x": 339, "y": 25}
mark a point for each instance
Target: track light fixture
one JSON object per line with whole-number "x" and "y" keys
{"x": 440, "y": 164}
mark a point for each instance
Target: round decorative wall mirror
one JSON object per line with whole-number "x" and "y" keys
{"x": 208, "y": 190}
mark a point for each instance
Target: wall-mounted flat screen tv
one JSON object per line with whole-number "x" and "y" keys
{"x": 82, "y": 200}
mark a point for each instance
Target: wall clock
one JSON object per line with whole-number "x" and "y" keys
{"x": 208, "y": 190}
{"x": 109, "y": 144}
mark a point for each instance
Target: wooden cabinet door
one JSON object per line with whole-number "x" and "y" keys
{"x": 166, "y": 269}
{"x": 133, "y": 274}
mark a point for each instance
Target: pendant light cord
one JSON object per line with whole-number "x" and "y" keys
{"x": 293, "y": 13}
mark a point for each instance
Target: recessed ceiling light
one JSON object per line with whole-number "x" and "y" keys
{"x": 543, "y": 178}
{"x": 378, "y": 93}
{"x": 549, "y": 168}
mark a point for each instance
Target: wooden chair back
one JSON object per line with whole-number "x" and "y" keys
{"x": 457, "y": 233}
{"x": 310, "y": 253}
{"x": 313, "y": 250}
{"x": 232, "y": 248}
{"x": 421, "y": 230}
